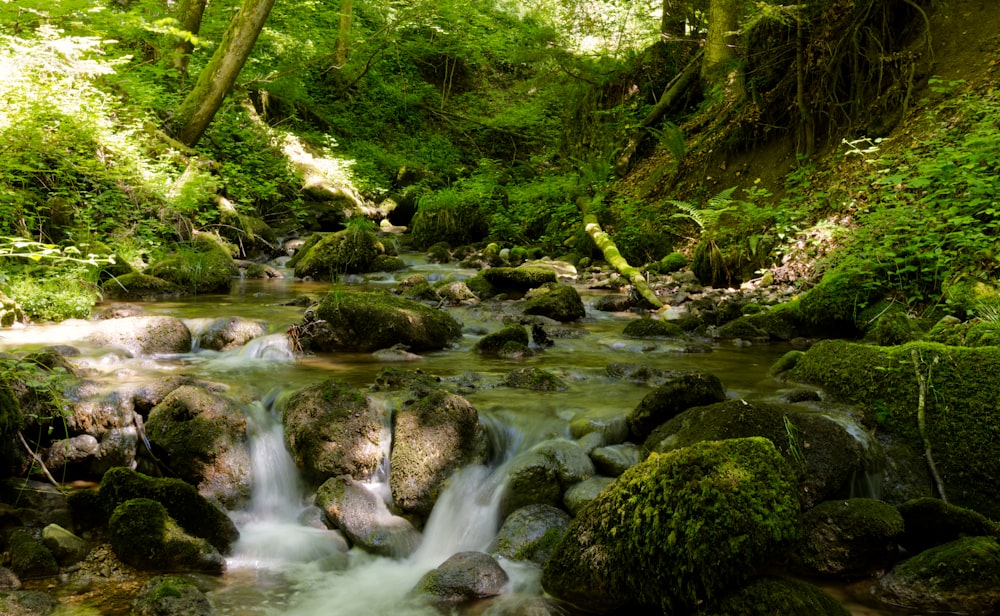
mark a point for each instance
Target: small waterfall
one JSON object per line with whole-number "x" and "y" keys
{"x": 271, "y": 536}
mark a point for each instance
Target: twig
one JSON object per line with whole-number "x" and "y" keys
{"x": 38, "y": 461}
{"x": 922, "y": 421}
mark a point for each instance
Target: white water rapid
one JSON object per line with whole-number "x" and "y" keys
{"x": 283, "y": 566}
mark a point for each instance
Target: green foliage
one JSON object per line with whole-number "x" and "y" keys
{"x": 932, "y": 214}
{"x": 55, "y": 293}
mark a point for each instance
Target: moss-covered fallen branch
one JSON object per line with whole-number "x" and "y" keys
{"x": 614, "y": 257}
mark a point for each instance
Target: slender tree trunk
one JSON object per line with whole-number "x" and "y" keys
{"x": 342, "y": 49}
{"x": 720, "y": 44}
{"x": 215, "y": 81}
{"x": 189, "y": 14}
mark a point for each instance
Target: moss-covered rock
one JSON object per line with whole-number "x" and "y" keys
{"x": 365, "y": 519}
{"x": 254, "y": 237}
{"x": 888, "y": 324}
{"x": 825, "y": 448}
{"x": 519, "y": 279}
{"x": 960, "y": 577}
{"x": 388, "y": 263}
{"x": 678, "y": 530}
{"x": 227, "y": 333}
{"x": 464, "y": 577}
{"x": 367, "y": 321}
{"x": 205, "y": 265}
{"x": 144, "y": 536}
{"x": 542, "y": 474}
{"x": 534, "y": 378}
{"x": 832, "y": 306}
{"x": 29, "y": 557}
{"x": 769, "y": 595}
{"x": 203, "y": 438}
{"x": 652, "y": 328}
{"x": 931, "y": 521}
{"x": 433, "y": 437}
{"x": 195, "y": 513}
{"x": 344, "y": 252}
{"x": 960, "y": 405}
{"x": 531, "y": 534}
{"x": 171, "y": 596}
{"x": 10, "y": 312}
{"x": 332, "y": 430}
{"x": 853, "y": 538}
{"x": 682, "y": 390}
{"x": 137, "y": 285}
{"x": 27, "y": 603}
{"x": 556, "y": 301}
{"x": 492, "y": 344}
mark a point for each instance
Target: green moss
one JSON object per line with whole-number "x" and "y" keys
{"x": 144, "y": 536}
{"x": 202, "y": 266}
{"x": 556, "y": 301}
{"x": 518, "y": 278}
{"x": 303, "y": 250}
{"x": 672, "y": 262}
{"x": 388, "y": 263}
{"x": 680, "y": 528}
{"x": 785, "y": 362}
{"x": 29, "y": 558}
{"x": 482, "y": 287}
{"x": 833, "y": 305}
{"x": 853, "y": 537}
{"x": 967, "y": 565}
{"x": 534, "y": 379}
{"x": 768, "y": 596}
{"x": 367, "y": 321}
{"x": 344, "y": 252}
{"x": 137, "y": 286}
{"x": 652, "y": 328}
{"x": 680, "y": 391}
{"x": 931, "y": 521}
{"x": 492, "y": 344}
{"x": 11, "y": 418}
{"x": 196, "y": 514}
{"x": 439, "y": 253}
{"x": 960, "y": 405}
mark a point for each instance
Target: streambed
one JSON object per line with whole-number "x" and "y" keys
{"x": 282, "y": 566}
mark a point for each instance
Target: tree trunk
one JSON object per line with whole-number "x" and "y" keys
{"x": 218, "y": 77}
{"x": 615, "y": 258}
{"x": 342, "y": 49}
{"x": 720, "y": 44}
{"x": 189, "y": 14}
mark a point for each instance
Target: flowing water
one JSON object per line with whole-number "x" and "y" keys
{"x": 285, "y": 565}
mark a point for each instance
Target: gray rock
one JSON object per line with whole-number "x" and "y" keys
{"x": 614, "y": 429}
{"x": 559, "y": 302}
{"x": 332, "y": 429}
{"x": 204, "y": 438}
{"x": 8, "y": 580}
{"x": 464, "y": 577}
{"x": 542, "y": 474}
{"x": 145, "y": 335}
{"x": 365, "y": 518}
{"x": 64, "y": 545}
{"x": 614, "y": 460}
{"x": 228, "y": 333}
{"x": 433, "y": 437}
{"x": 579, "y": 495}
{"x": 530, "y": 534}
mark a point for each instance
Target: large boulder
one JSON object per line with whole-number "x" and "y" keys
{"x": 203, "y": 438}
{"x": 143, "y": 335}
{"x": 961, "y": 577}
{"x": 332, "y": 429}
{"x": 196, "y": 514}
{"x": 433, "y": 437}
{"x": 466, "y": 576}
{"x": 679, "y": 530}
{"x": 850, "y": 539}
{"x": 959, "y": 405}
{"x": 365, "y": 519}
{"x": 555, "y": 301}
{"x": 144, "y": 536}
{"x": 328, "y": 255}
{"x": 828, "y": 450}
{"x": 681, "y": 390}
{"x": 518, "y": 279}
{"x": 366, "y": 321}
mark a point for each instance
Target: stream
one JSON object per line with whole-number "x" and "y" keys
{"x": 282, "y": 566}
